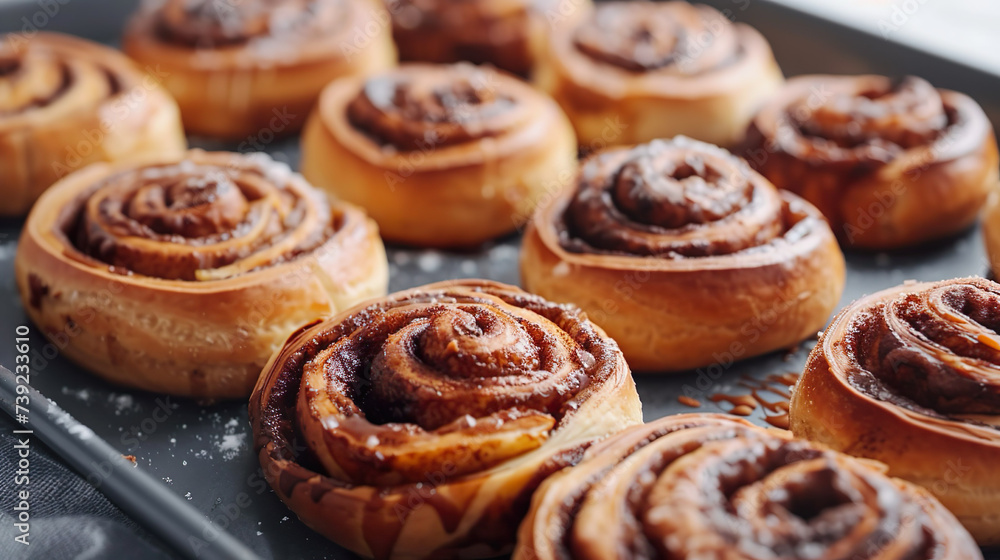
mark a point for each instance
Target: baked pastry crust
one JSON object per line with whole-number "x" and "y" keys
{"x": 685, "y": 256}
{"x": 417, "y": 425}
{"x": 889, "y": 163}
{"x": 66, "y": 103}
{"x": 907, "y": 376}
{"x": 714, "y": 486}
{"x": 631, "y": 72}
{"x": 182, "y": 276}
{"x": 991, "y": 231}
{"x": 497, "y": 32}
{"x": 439, "y": 155}
{"x": 251, "y": 71}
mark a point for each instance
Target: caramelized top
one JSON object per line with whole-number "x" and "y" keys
{"x": 668, "y": 37}
{"x": 673, "y": 199}
{"x": 455, "y": 378}
{"x": 933, "y": 350}
{"x": 423, "y": 107}
{"x": 211, "y": 24}
{"x": 206, "y": 217}
{"x": 712, "y": 486}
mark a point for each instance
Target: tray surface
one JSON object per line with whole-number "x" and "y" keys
{"x": 204, "y": 452}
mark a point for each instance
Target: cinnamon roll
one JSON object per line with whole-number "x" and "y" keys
{"x": 252, "y": 70}
{"x": 908, "y": 376}
{"x": 439, "y": 155}
{"x": 714, "y": 486}
{"x": 418, "y": 425}
{"x": 497, "y": 32}
{"x": 631, "y": 72}
{"x": 991, "y": 232}
{"x": 890, "y": 163}
{"x": 66, "y": 103}
{"x": 183, "y": 275}
{"x": 685, "y": 256}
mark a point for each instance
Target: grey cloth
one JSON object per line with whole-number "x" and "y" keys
{"x": 70, "y": 519}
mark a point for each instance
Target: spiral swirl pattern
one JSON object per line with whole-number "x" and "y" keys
{"x": 712, "y": 486}
{"x": 671, "y": 38}
{"x": 889, "y": 163}
{"x": 934, "y": 351}
{"x": 204, "y": 24}
{"x": 673, "y": 199}
{"x": 47, "y": 79}
{"x": 66, "y": 103}
{"x": 427, "y": 107}
{"x": 466, "y": 376}
{"x": 869, "y": 121}
{"x": 207, "y": 217}
{"x": 417, "y": 426}
{"x": 909, "y": 376}
{"x": 495, "y": 32}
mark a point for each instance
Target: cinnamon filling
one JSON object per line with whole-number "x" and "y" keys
{"x": 933, "y": 352}
{"x": 450, "y": 382}
{"x": 681, "y": 488}
{"x": 667, "y": 37}
{"x": 429, "y": 108}
{"x": 870, "y": 120}
{"x": 209, "y": 24}
{"x": 673, "y": 199}
{"x": 191, "y": 221}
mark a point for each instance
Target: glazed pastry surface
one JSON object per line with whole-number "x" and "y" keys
{"x": 251, "y": 71}
{"x": 714, "y": 486}
{"x": 439, "y": 155}
{"x": 418, "y": 425}
{"x": 908, "y": 376}
{"x": 66, "y": 103}
{"x": 890, "y": 163}
{"x": 496, "y": 32}
{"x": 183, "y": 276}
{"x": 683, "y": 253}
{"x": 631, "y": 72}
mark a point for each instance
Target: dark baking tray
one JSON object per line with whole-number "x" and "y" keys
{"x": 203, "y": 452}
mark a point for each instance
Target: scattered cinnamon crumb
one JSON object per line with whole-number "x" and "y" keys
{"x": 688, "y": 401}
{"x": 778, "y": 421}
{"x": 775, "y": 411}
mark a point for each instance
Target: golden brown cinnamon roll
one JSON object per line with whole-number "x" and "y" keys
{"x": 66, "y": 103}
{"x": 683, "y": 254}
{"x": 439, "y": 155}
{"x": 909, "y": 376}
{"x": 714, "y": 486}
{"x": 183, "y": 275}
{"x": 890, "y": 163}
{"x": 497, "y": 32}
{"x": 418, "y": 425}
{"x": 252, "y": 70}
{"x": 630, "y": 72}
{"x": 991, "y": 232}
